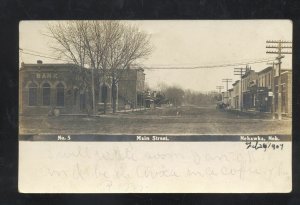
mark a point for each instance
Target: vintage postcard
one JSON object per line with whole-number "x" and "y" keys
{"x": 168, "y": 106}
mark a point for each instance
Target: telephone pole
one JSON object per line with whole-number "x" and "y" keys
{"x": 226, "y": 80}
{"x": 93, "y": 91}
{"x": 219, "y": 88}
{"x": 273, "y": 89}
{"x": 280, "y": 47}
{"x": 240, "y": 72}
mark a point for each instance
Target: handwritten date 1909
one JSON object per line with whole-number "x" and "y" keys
{"x": 264, "y": 145}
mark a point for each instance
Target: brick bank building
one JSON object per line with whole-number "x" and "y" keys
{"x": 47, "y": 87}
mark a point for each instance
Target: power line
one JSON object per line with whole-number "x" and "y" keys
{"x": 33, "y": 51}
{"x": 38, "y": 55}
{"x": 240, "y": 72}
{"x": 227, "y": 80}
{"x": 220, "y": 88}
{"x": 208, "y": 66}
{"x": 164, "y": 67}
{"x": 217, "y": 63}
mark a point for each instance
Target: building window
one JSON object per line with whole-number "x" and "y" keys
{"x": 46, "y": 94}
{"x": 60, "y": 95}
{"x": 32, "y": 94}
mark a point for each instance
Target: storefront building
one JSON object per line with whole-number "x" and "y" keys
{"x": 131, "y": 88}
{"x": 286, "y": 92}
{"x": 45, "y": 87}
{"x": 236, "y": 94}
{"x": 66, "y": 88}
{"x": 231, "y": 98}
{"x": 261, "y": 89}
{"x": 264, "y": 90}
{"x": 249, "y": 89}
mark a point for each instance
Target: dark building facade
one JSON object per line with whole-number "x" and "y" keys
{"x": 260, "y": 91}
{"x": 48, "y": 88}
{"x": 131, "y": 92}
{"x": 267, "y": 91}
{"x": 45, "y": 87}
{"x": 264, "y": 89}
{"x": 286, "y": 92}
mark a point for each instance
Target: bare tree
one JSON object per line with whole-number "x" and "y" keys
{"x": 110, "y": 47}
{"x": 127, "y": 45}
{"x": 68, "y": 42}
{"x": 96, "y": 44}
{"x": 174, "y": 94}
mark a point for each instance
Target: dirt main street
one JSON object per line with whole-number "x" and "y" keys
{"x": 184, "y": 120}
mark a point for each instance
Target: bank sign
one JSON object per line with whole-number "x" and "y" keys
{"x": 46, "y": 75}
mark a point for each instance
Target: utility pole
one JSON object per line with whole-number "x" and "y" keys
{"x": 219, "y": 88}
{"x": 273, "y": 88}
{"x": 240, "y": 72}
{"x": 279, "y": 45}
{"x": 93, "y": 91}
{"x": 226, "y": 80}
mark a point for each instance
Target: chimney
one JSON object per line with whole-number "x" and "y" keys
{"x": 39, "y": 62}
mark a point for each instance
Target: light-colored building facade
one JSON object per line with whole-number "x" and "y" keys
{"x": 225, "y": 97}
{"x": 249, "y": 85}
{"x": 231, "y": 98}
{"x": 236, "y": 95}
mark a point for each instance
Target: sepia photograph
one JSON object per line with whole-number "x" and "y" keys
{"x": 155, "y": 77}
{"x": 155, "y": 106}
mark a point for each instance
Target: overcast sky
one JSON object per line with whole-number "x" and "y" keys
{"x": 187, "y": 43}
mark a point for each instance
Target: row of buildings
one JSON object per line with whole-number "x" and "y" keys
{"x": 259, "y": 91}
{"x": 45, "y": 87}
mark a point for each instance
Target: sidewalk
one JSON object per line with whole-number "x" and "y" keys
{"x": 257, "y": 114}
{"x": 108, "y": 112}
{"x": 133, "y": 110}
{"x": 252, "y": 113}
